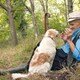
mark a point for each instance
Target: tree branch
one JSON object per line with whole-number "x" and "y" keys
{"x": 32, "y": 4}
{"x": 42, "y": 4}
{"x": 3, "y": 6}
{"x": 27, "y": 8}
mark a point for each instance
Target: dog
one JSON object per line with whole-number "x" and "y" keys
{"x": 43, "y": 57}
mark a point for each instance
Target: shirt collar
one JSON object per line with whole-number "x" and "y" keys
{"x": 76, "y": 32}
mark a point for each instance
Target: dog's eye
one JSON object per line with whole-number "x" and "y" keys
{"x": 56, "y": 35}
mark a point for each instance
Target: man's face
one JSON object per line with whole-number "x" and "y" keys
{"x": 74, "y": 24}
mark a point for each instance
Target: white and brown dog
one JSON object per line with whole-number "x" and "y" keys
{"x": 43, "y": 57}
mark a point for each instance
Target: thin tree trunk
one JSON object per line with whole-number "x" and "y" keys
{"x": 43, "y": 6}
{"x": 11, "y": 23}
{"x": 46, "y": 14}
{"x": 66, "y": 12}
{"x": 46, "y": 22}
{"x": 34, "y": 19}
{"x": 3, "y": 6}
{"x": 46, "y": 6}
{"x": 70, "y": 6}
{"x": 34, "y": 24}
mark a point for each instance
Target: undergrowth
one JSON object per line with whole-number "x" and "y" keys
{"x": 13, "y": 56}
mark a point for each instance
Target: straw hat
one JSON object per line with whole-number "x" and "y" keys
{"x": 74, "y": 16}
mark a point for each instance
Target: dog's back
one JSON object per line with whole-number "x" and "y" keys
{"x": 46, "y": 48}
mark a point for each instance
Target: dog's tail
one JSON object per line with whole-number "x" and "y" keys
{"x": 19, "y": 75}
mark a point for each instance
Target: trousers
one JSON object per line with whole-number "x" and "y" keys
{"x": 60, "y": 60}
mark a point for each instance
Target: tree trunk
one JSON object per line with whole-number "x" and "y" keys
{"x": 70, "y": 6}
{"x": 35, "y": 25}
{"x": 46, "y": 23}
{"x": 66, "y": 12}
{"x": 34, "y": 19}
{"x": 46, "y": 14}
{"x": 11, "y": 23}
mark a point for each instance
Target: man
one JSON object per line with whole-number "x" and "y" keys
{"x": 72, "y": 44}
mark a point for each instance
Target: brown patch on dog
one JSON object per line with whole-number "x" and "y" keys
{"x": 41, "y": 58}
{"x": 52, "y": 34}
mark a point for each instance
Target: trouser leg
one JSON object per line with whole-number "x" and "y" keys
{"x": 60, "y": 57}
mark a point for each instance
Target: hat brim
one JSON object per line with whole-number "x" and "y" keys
{"x": 69, "y": 20}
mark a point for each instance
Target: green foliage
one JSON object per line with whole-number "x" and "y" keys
{"x": 58, "y": 22}
{"x": 40, "y": 22}
{"x": 19, "y": 13}
{"x": 23, "y": 20}
{"x": 4, "y": 28}
{"x": 19, "y": 17}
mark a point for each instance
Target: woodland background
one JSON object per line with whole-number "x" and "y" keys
{"x": 23, "y": 24}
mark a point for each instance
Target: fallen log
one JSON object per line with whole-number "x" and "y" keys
{"x": 21, "y": 68}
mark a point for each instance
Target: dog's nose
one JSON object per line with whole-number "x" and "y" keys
{"x": 57, "y": 35}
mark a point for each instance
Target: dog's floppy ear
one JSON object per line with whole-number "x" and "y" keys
{"x": 55, "y": 31}
{"x": 51, "y": 32}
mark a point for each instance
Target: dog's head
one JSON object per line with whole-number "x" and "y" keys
{"x": 51, "y": 33}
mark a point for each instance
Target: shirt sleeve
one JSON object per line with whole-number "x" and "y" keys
{"x": 65, "y": 48}
{"x": 76, "y": 52}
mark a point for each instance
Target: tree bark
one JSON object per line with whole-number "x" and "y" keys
{"x": 66, "y": 11}
{"x": 27, "y": 8}
{"x": 43, "y": 6}
{"x": 46, "y": 14}
{"x": 46, "y": 23}
{"x": 3, "y": 6}
{"x": 31, "y": 11}
{"x": 70, "y": 6}
{"x": 11, "y": 23}
{"x": 34, "y": 19}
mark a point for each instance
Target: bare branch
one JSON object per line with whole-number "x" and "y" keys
{"x": 42, "y": 4}
{"x": 27, "y": 8}
{"x": 3, "y": 6}
{"x": 32, "y": 4}
{"x": 46, "y": 6}
{"x": 70, "y": 6}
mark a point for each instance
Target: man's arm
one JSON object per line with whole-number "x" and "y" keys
{"x": 72, "y": 46}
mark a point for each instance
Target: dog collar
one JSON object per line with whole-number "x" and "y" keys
{"x": 51, "y": 38}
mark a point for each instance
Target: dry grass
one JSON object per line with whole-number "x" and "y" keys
{"x": 14, "y": 56}
{"x": 52, "y": 75}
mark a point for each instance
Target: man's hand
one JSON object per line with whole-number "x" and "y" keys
{"x": 67, "y": 34}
